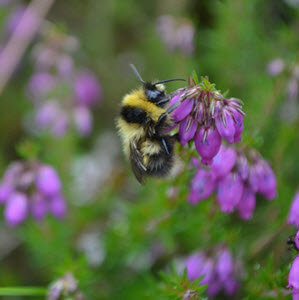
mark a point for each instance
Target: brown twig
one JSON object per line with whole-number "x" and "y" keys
{"x": 21, "y": 38}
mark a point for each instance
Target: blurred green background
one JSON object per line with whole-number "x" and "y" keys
{"x": 135, "y": 231}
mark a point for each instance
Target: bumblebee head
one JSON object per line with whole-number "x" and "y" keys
{"x": 154, "y": 91}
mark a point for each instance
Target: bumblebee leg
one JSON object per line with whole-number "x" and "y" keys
{"x": 163, "y": 101}
{"x": 165, "y": 146}
{"x": 161, "y": 120}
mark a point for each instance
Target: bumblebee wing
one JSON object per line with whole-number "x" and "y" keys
{"x": 137, "y": 165}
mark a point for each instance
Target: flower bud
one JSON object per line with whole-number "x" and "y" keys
{"x": 294, "y": 276}
{"x": 246, "y": 204}
{"x": 47, "y": 181}
{"x": 57, "y": 206}
{"x": 223, "y": 162}
{"x": 229, "y": 192}
{"x": 207, "y": 143}
{"x": 202, "y": 186}
{"x": 294, "y": 211}
{"x": 226, "y": 126}
{"x": 87, "y": 88}
{"x": 187, "y": 130}
{"x": 16, "y": 209}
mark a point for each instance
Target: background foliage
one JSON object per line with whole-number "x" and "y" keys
{"x": 118, "y": 239}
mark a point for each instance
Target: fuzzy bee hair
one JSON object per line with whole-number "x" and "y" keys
{"x": 141, "y": 125}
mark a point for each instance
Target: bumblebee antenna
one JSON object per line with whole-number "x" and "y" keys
{"x": 137, "y": 73}
{"x": 167, "y": 80}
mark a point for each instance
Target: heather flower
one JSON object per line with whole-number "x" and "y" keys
{"x": 176, "y": 33}
{"x": 40, "y": 85}
{"x": 31, "y": 188}
{"x": 47, "y": 113}
{"x": 275, "y": 67}
{"x": 207, "y": 143}
{"x": 267, "y": 180}
{"x": 236, "y": 176}
{"x": 246, "y": 204}
{"x": 294, "y": 276}
{"x": 224, "y": 264}
{"x": 226, "y": 126}
{"x": 202, "y": 186}
{"x": 205, "y": 116}
{"x": 292, "y": 89}
{"x": 194, "y": 266}
{"x": 55, "y": 76}
{"x": 229, "y": 192}
{"x": 16, "y": 209}
{"x": 218, "y": 271}
{"x": 223, "y": 162}
{"x": 87, "y": 88}
{"x": 47, "y": 181}
{"x": 294, "y": 211}
{"x": 66, "y": 286}
{"x": 83, "y": 120}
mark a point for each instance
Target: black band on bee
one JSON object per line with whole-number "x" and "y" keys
{"x": 133, "y": 115}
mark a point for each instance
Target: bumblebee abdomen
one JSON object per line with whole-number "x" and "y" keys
{"x": 157, "y": 160}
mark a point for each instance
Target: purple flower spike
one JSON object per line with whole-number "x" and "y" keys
{"x": 83, "y": 120}
{"x": 183, "y": 110}
{"x": 38, "y": 207}
{"x": 294, "y": 276}
{"x": 58, "y": 206}
{"x": 187, "y": 130}
{"x": 87, "y": 88}
{"x": 47, "y": 181}
{"x": 202, "y": 186}
{"x": 294, "y": 211}
{"x": 247, "y": 204}
{"x": 207, "y": 143}
{"x": 226, "y": 126}
{"x": 267, "y": 181}
{"x": 224, "y": 265}
{"x": 16, "y": 209}
{"x": 229, "y": 192}
{"x": 223, "y": 162}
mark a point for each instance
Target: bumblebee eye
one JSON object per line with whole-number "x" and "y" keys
{"x": 153, "y": 94}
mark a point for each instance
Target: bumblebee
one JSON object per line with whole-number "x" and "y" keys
{"x": 142, "y": 123}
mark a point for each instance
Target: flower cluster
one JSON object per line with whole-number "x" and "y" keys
{"x": 66, "y": 286}
{"x": 236, "y": 178}
{"x": 206, "y": 116}
{"x": 219, "y": 271}
{"x": 63, "y": 95}
{"x": 31, "y": 188}
{"x": 176, "y": 33}
{"x": 294, "y": 211}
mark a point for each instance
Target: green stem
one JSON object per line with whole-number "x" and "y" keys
{"x": 22, "y": 291}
